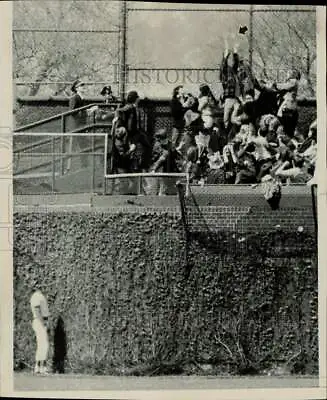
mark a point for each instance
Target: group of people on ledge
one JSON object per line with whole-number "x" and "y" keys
{"x": 249, "y": 132}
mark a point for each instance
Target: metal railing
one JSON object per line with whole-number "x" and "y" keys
{"x": 85, "y": 170}
{"x": 62, "y": 118}
{"x": 56, "y": 169}
{"x": 92, "y": 126}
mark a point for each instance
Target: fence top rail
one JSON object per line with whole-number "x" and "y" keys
{"x": 49, "y": 138}
{"x": 59, "y": 134}
{"x": 65, "y": 30}
{"x": 61, "y": 83}
{"x": 171, "y": 9}
{"x": 146, "y": 175}
{"x": 174, "y": 9}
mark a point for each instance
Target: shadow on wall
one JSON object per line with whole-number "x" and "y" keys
{"x": 59, "y": 346}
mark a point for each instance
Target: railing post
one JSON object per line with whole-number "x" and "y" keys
{"x": 139, "y": 189}
{"x": 123, "y": 49}
{"x": 105, "y": 164}
{"x": 251, "y": 36}
{"x": 53, "y": 164}
{"x": 93, "y": 164}
{"x": 62, "y": 144}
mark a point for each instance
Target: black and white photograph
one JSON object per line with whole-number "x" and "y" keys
{"x": 167, "y": 161}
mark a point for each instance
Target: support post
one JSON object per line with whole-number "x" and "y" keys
{"x": 251, "y": 37}
{"x": 53, "y": 165}
{"x": 123, "y": 49}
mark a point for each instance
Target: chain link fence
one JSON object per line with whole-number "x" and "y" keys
{"x": 278, "y": 38}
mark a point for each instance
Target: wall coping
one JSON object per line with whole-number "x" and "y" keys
{"x": 107, "y": 201}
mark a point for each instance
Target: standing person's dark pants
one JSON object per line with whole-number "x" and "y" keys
{"x": 177, "y": 112}
{"x": 79, "y": 119}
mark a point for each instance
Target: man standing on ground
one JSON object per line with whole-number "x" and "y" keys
{"x": 40, "y": 312}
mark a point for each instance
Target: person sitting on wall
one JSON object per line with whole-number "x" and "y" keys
{"x": 296, "y": 171}
{"x": 216, "y": 172}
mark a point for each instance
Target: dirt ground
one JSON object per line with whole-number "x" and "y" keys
{"x": 28, "y": 381}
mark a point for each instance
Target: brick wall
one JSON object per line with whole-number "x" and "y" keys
{"x": 250, "y": 219}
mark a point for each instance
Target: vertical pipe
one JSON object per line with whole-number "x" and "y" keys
{"x": 62, "y": 144}
{"x": 122, "y": 49}
{"x": 314, "y": 207}
{"x": 53, "y": 164}
{"x": 105, "y": 164}
{"x": 251, "y": 36}
{"x": 93, "y": 164}
{"x": 139, "y": 186}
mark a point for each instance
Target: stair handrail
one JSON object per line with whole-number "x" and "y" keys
{"x": 45, "y": 141}
{"x": 63, "y": 115}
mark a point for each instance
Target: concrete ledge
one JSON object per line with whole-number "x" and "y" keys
{"x": 216, "y": 195}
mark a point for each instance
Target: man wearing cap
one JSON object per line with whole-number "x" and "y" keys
{"x": 106, "y": 92}
{"x": 40, "y": 312}
{"x": 79, "y": 119}
{"x": 77, "y": 99}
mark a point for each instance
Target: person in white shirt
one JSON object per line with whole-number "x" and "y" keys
{"x": 40, "y": 312}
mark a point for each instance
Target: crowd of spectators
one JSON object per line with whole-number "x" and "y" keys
{"x": 248, "y": 133}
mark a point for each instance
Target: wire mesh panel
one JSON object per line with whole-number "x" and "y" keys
{"x": 191, "y": 57}
{"x": 60, "y": 41}
{"x": 231, "y": 222}
{"x": 284, "y": 40}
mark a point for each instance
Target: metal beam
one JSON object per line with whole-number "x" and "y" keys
{"x": 123, "y": 49}
{"x": 65, "y": 30}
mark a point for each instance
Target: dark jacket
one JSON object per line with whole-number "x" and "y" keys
{"x": 127, "y": 117}
{"x": 76, "y": 102}
{"x": 228, "y": 76}
{"x": 177, "y": 112}
{"x": 80, "y": 117}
